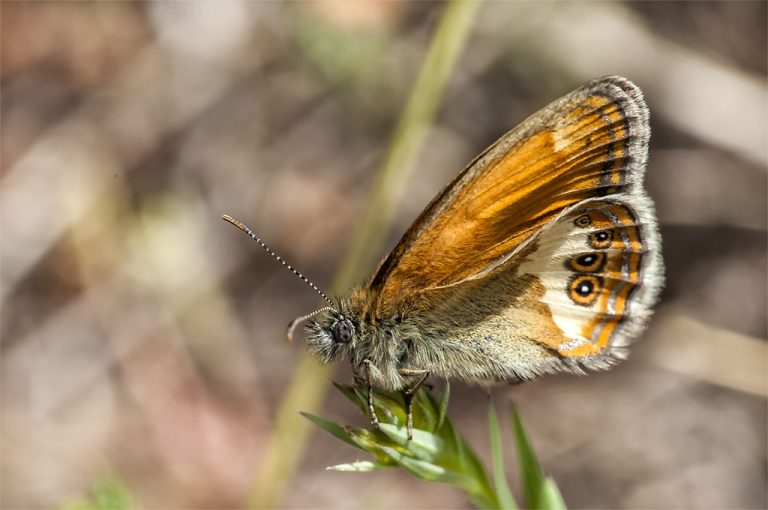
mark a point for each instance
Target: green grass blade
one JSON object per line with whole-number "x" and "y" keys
{"x": 373, "y": 441}
{"x": 332, "y": 428}
{"x": 436, "y": 473}
{"x": 464, "y": 459}
{"x": 424, "y": 445}
{"x": 530, "y": 470}
{"x": 550, "y": 497}
{"x": 503, "y": 492}
{"x": 443, "y": 405}
{"x": 425, "y": 411}
{"x": 360, "y": 466}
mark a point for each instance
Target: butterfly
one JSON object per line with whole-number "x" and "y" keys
{"x": 541, "y": 256}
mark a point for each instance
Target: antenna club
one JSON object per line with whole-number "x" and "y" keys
{"x": 230, "y": 219}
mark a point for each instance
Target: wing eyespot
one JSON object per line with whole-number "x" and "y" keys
{"x": 592, "y": 262}
{"x": 584, "y": 289}
{"x": 583, "y": 221}
{"x": 601, "y": 239}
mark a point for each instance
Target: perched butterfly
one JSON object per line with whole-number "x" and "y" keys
{"x": 541, "y": 256}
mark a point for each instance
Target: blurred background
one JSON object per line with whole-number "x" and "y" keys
{"x": 142, "y": 335}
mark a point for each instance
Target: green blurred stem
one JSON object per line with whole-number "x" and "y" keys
{"x": 307, "y": 388}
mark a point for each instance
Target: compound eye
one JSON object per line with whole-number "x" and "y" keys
{"x": 342, "y": 331}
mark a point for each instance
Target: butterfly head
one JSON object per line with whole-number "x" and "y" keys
{"x": 332, "y": 335}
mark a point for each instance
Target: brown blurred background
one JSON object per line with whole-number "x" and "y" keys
{"x": 141, "y": 335}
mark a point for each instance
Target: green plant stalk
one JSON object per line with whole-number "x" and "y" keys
{"x": 306, "y": 391}
{"x": 437, "y": 452}
{"x": 503, "y": 493}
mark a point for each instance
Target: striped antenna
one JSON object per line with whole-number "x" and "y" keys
{"x": 248, "y": 231}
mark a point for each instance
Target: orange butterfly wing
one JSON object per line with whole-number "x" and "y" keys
{"x": 590, "y": 143}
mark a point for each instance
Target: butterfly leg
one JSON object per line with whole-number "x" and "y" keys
{"x": 371, "y": 410}
{"x": 410, "y": 392}
{"x": 357, "y": 379}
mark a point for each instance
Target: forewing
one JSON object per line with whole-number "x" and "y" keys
{"x": 590, "y": 143}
